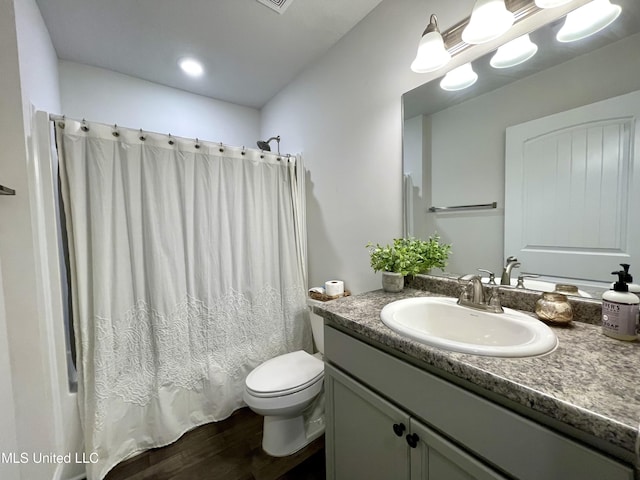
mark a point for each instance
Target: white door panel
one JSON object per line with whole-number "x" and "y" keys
{"x": 571, "y": 199}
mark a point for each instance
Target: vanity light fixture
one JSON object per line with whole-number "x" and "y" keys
{"x": 459, "y": 78}
{"x": 431, "y": 52}
{"x": 587, "y": 20}
{"x": 191, "y": 66}
{"x": 551, "y": 3}
{"x": 514, "y": 53}
{"x": 489, "y": 19}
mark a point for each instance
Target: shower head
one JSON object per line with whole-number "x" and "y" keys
{"x": 264, "y": 145}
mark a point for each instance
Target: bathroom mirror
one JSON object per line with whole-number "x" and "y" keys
{"x": 454, "y": 153}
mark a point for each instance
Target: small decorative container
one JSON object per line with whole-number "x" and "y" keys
{"x": 553, "y": 307}
{"x": 392, "y": 282}
{"x": 566, "y": 289}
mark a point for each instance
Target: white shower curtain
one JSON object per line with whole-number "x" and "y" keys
{"x": 187, "y": 271}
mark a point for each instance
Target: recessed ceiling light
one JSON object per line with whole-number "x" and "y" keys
{"x": 191, "y": 66}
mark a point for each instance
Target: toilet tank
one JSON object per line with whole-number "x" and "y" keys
{"x": 317, "y": 330}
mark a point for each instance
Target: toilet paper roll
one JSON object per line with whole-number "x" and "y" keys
{"x": 334, "y": 288}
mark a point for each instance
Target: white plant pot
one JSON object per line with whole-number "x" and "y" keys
{"x": 392, "y": 282}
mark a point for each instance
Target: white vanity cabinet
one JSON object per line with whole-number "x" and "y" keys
{"x": 388, "y": 419}
{"x": 371, "y": 439}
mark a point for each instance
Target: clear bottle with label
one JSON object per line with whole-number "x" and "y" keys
{"x": 628, "y": 279}
{"x": 620, "y": 310}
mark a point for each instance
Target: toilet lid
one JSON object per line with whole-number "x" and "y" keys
{"x": 286, "y": 374}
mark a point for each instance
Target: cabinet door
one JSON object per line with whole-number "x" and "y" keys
{"x": 434, "y": 458}
{"x": 365, "y": 435}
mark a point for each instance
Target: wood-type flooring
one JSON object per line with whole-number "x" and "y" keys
{"x": 227, "y": 450}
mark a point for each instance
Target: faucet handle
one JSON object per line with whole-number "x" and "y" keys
{"x": 492, "y": 277}
{"x": 511, "y": 259}
{"x": 521, "y": 279}
{"x": 467, "y": 278}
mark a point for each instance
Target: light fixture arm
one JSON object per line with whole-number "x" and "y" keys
{"x": 432, "y": 26}
{"x": 431, "y": 53}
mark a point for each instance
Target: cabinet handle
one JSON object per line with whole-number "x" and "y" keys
{"x": 399, "y": 428}
{"x": 412, "y": 440}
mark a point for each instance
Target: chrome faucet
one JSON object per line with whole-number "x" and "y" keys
{"x": 473, "y": 295}
{"x": 510, "y": 264}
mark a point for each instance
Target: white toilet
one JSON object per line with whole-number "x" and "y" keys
{"x": 288, "y": 391}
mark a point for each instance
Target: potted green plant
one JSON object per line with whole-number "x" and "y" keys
{"x": 407, "y": 256}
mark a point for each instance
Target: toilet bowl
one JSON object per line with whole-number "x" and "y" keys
{"x": 288, "y": 391}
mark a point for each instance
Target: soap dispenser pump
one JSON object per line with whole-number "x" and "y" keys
{"x": 620, "y": 310}
{"x": 633, "y": 287}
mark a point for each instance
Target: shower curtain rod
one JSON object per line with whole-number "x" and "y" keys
{"x": 171, "y": 139}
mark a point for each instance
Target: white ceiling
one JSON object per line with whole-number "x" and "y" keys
{"x": 249, "y": 51}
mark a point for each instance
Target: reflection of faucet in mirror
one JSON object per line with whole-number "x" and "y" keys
{"x": 522, "y": 277}
{"x": 510, "y": 264}
{"x": 473, "y": 295}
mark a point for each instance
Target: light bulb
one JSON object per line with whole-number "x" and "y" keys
{"x": 514, "y": 52}
{"x": 432, "y": 54}
{"x": 587, "y": 20}
{"x": 459, "y": 78}
{"x": 551, "y": 3}
{"x": 489, "y": 19}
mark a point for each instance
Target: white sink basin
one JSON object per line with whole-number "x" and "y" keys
{"x": 441, "y": 322}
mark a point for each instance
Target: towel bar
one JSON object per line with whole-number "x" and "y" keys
{"x": 6, "y": 191}
{"x": 458, "y": 208}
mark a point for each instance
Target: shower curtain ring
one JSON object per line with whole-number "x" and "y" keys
{"x": 115, "y": 131}
{"x": 221, "y": 149}
{"x": 197, "y": 145}
{"x": 142, "y": 136}
{"x": 242, "y": 152}
{"x": 171, "y": 142}
{"x": 84, "y": 126}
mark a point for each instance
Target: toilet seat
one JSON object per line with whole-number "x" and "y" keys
{"x": 285, "y": 375}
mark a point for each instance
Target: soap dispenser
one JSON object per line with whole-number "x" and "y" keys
{"x": 620, "y": 310}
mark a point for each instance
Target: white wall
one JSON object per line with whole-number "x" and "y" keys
{"x": 344, "y": 114}
{"x": 416, "y": 150}
{"x": 108, "y": 97}
{"x": 38, "y": 59}
{"x": 8, "y": 439}
{"x": 29, "y": 76}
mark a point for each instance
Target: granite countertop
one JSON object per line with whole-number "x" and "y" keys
{"x": 590, "y": 382}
